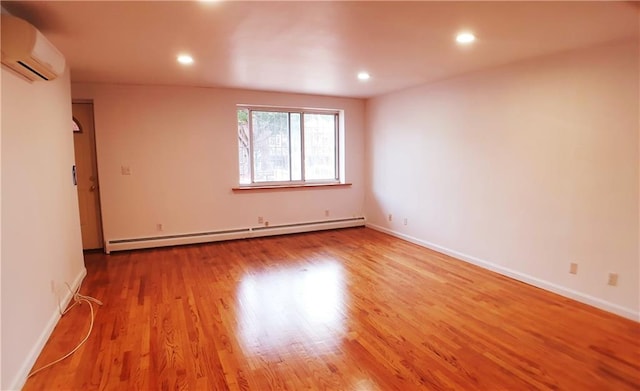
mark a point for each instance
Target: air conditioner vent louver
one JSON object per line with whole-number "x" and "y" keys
{"x": 32, "y": 70}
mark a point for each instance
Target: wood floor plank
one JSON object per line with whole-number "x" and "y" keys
{"x": 337, "y": 310}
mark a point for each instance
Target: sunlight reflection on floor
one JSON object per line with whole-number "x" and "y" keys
{"x": 293, "y": 309}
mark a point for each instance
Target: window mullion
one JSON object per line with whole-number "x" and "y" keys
{"x": 289, "y": 142}
{"x": 253, "y": 179}
{"x": 336, "y": 145}
{"x": 302, "y": 148}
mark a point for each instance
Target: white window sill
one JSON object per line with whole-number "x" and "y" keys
{"x": 290, "y": 186}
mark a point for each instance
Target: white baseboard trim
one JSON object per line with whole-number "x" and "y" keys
{"x": 231, "y": 234}
{"x": 21, "y": 377}
{"x": 546, "y": 285}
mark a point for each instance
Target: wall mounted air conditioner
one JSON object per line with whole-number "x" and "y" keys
{"x": 26, "y": 51}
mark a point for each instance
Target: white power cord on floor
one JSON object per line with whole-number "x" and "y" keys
{"x": 78, "y": 299}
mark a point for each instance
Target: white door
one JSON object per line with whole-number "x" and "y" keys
{"x": 87, "y": 175}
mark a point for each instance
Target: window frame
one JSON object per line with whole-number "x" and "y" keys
{"x": 292, "y": 110}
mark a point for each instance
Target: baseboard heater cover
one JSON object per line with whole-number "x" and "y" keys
{"x": 231, "y": 234}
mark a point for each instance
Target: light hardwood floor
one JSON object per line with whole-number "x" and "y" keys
{"x": 350, "y": 309}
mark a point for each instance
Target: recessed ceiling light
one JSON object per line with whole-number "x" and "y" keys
{"x": 465, "y": 38}
{"x": 363, "y": 76}
{"x": 185, "y": 59}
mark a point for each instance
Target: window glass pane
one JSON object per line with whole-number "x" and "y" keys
{"x": 270, "y": 146}
{"x": 296, "y": 148}
{"x": 319, "y": 146}
{"x": 243, "y": 146}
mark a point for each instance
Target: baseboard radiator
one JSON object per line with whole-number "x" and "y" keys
{"x": 231, "y": 234}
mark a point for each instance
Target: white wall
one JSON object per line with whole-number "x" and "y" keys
{"x": 41, "y": 239}
{"x": 1, "y": 367}
{"x": 181, "y": 146}
{"x": 522, "y": 169}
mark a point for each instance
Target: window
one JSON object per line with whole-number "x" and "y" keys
{"x": 76, "y": 126}
{"x": 281, "y": 146}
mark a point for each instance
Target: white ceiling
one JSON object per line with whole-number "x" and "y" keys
{"x": 313, "y": 47}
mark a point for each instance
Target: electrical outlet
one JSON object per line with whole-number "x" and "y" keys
{"x": 260, "y": 219}
{"x": 405, "y": 221}
{"x": 390, "y": 217}
{"x": 159, "y": 227}
{"x": 573, "y": 268}
{"x": 613, "y": 279}
{"x": 326, "y": 213}
{"x": 125, "y": 170}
